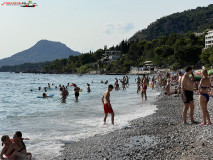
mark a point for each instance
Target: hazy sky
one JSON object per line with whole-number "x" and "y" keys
{"x": 82, "y": 25}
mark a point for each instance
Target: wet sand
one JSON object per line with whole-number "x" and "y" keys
{"x": 158, "y": 136}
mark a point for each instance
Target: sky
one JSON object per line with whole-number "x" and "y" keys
{"x": 82, "y": 25}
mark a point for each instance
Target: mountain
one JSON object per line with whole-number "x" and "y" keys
{"x": 194, "y": 20}
{"x": 42, "y": 51}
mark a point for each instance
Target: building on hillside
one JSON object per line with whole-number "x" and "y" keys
{"x": 209, "y": 39}
{"x": 148, "y": 68}
{"x": 111, "y": 56}
{"x": 149, "y": 65}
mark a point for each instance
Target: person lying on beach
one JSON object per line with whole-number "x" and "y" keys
{"x": 9, "y": 151}
{"x": 175, "y": 92}
{"x": 107, "y": 105}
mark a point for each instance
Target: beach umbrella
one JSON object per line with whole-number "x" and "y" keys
{"x": 210, "y": 72}
{"x": 197, "y": 77}
{"x": 198, "y": 74}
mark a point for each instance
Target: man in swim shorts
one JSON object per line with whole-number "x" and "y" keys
{"x": 107, "y": 104}
{"x": 187, "y": 85}
{"x": 76, "y": 90}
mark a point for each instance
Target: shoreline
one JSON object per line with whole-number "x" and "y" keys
{"x": 158, "y": 136}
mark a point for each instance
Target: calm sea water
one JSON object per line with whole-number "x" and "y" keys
{"x": 49, "y": 123}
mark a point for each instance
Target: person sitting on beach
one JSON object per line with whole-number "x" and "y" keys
{"x": 76, "y": 90}
{"x": 88, "y": 87}
{"x": 204, "y": 97}
{"x": 107, "y": 105}
{"x": 6, "y": 142}
{"x": 144, "y": 87}
{"x": 175, "y": 92}
{"x": 17, "y": 150}
{"x": 187, "y": 93}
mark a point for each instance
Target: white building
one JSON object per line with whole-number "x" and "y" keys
{"x": 209, "y": 39}
{"x": 112, "y": 55}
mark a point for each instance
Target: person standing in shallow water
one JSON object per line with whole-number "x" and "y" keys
{"x": 138, "y": 84}
{"x": 76, "y": 90}
{"x": 187, "y": 85}
{"x": 204, "y": 97}
{"x": 144, "y": 87}
{"x": 107, "y": 105}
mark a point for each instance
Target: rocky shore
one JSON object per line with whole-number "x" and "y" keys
{"x": 159, "y": 136}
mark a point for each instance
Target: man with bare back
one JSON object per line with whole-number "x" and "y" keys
{"x": 187, "y": 85}
{"x": 107, "y": 104}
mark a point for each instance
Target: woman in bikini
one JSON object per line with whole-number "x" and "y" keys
{"x": 17, "y": 149}
{"x": 204, "y": 97}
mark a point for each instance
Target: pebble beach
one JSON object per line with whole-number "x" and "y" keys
{"x": 161, "y": 136}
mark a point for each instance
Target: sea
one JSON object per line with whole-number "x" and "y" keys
{"x": 50, "y": 123}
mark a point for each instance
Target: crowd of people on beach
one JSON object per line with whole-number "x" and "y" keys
{"x": 176, "y": 84}
{"x": 184, "y": 84}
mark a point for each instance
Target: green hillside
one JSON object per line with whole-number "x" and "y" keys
{"x": 194, "y": 20}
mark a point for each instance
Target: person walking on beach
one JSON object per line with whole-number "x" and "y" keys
{"x": 187, "y": 86}
{"x": 107, "y": 105}
{"x": 204, "y": 97}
